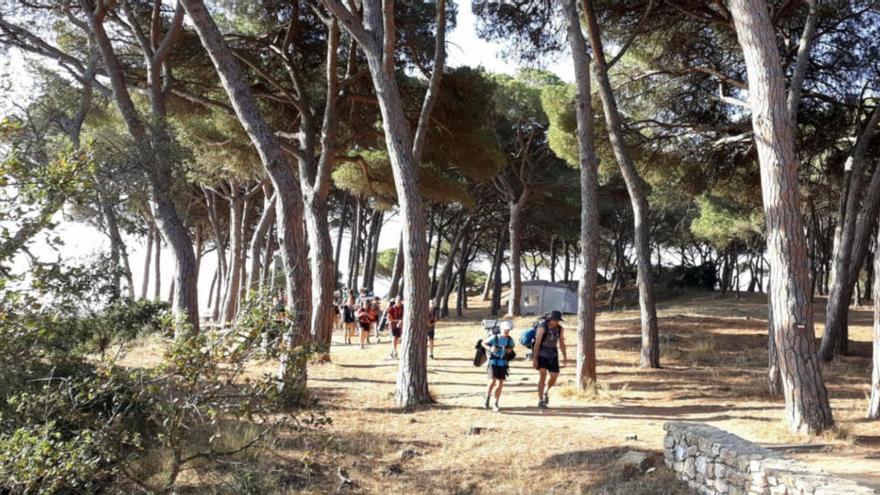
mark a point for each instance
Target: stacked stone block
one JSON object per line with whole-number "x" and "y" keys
{"x": 713, "y": 461}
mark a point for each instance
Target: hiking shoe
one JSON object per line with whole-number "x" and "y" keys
{"x": 431, "y": 356}
{"x": 542, "y": 404}
{"x": 488, "y": 398}
{"x": 546, "y": 400}
{"x": 496, "y": 408}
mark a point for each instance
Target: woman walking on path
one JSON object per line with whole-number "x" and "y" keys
{"x": 500, "y": 346}
{"x": 545, "y": 358}
{"x": 432, "y": 322}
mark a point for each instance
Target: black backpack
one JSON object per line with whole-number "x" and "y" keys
{"x": 480, "y": 356}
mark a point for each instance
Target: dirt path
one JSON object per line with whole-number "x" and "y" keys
{"x": 714, "y": 358}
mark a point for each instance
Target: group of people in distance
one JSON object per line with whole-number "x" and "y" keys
{"x": 364, "y": 315}
{"x": 549, "y": 341}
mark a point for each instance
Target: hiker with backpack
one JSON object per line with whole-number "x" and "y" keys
{"x": 500, "y": 351}
{"x": 395, "y": 319}
{"x": 366, "y": 315}
{"x": 549, "y": 341}
{"x": 349, "y": 309}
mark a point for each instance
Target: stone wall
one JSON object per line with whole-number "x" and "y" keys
{"x": 713, "y": 461}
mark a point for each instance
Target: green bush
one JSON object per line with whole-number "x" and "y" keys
{"x": 73, "y": 421}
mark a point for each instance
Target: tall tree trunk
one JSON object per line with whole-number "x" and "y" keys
{"x": 338, "y": 248}
{"x": 585, "y": 372}
{"x": 774, "y": 378}
{"x": 315, "y": 178}
{"x": 461, "y": 285}
{"x": 322, "y": 267}
{"x": 373, "y": 246}
{"x": 445, "y": 276}
{"x": 220, "y": 244}
{"x": 874, "y": 402}
{"x": 807, "y": 406}
{"x": 516, "y": 208}
{"x": 236, "y": 246}
{"x": 398, "y": 271}
{"x": 289, "y": 208}
{"x": 436, "y": 263}
{"x": 377, "y": 39}
{"x": 553, "y": 258}
{"x": 495, "y": 307}
{"x": 258, "y": 244}
{"x": 157, "y": 268}
{"x": 157, "y": 149}
{"x": 496, "y": 261}
{"x": 145, "y": 283}
{"x": 845, "y": 267}
{"x": 650, "y": 353}
{"x": 354, "y": 246}
{"x": 567, "y": 264}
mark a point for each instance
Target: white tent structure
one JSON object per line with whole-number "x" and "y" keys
{"x": 540, "y": 296}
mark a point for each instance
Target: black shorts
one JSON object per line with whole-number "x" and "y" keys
{"x": 497, "y": 372}
{"x": 396, "y": 330}
{"x": 365, "y": 327}
{"x": 430, "y": 333}
{"x": 551, "y": 364}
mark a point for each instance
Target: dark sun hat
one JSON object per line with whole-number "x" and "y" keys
{"x": 556, "y": 315}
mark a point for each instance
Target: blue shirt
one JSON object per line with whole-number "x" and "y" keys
{"x": 497, "y": 358}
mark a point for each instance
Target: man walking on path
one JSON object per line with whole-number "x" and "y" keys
{"x": 395, "y": 319}
{"x": 499, "y": 346}
{"x": 545, "y": 357}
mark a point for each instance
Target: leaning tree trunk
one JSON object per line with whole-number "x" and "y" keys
{"x": 806, "y": 398}
{"x": 496, "y": 262}
{"x": 398, "y": 271}
{"x": 444, "y": 280}
{"x": 404, "y": 152}
{"x": 338, "y": 248}
{"x": 145, "y": 283}
{"x": 236, "y": 248}
{"x": 354, "y": 245}
{"x": 323, "y": 269}
{"x": 156, "y": 151}
{"x": 586, "y": 316}
{"x": 258, "y": 244}
{"x": 289, "y": 209}
{"x": 515, "y": 227}
{"x": 846, "y": 266}
{"x": 874, "y": 404}
{"x": 650, "y": 353}
{"x": 157, "y": 268}
{"x": 373, "y": 247}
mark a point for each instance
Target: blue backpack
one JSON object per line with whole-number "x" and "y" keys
{"x": 527, "y": 339}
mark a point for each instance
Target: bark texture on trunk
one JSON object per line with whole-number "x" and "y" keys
{"x": 496, "y": 261}
{"x": 236, "y": 250}
{"x": 258, "y": 244}
{"x": 806, "y": 398}
{"x": 145, "y": 283}
{"x": 874, "y": 402}
{"x": 848, "y": 253}
{"x": 398, "y": 271}
{"x": 585, "y": 372}
{"x": 650, "y": 353}
{"x": 375, "y": 36}
{"x": 289, "y": 208}
{"x": 445, "y": 275}
{"x": 515, "y": 228}
{"x": 155, "y": 148}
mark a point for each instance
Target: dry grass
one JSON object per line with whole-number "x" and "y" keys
{"x": 713, "y": 352}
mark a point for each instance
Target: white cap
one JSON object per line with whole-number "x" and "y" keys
{"x": 506, "y": 325}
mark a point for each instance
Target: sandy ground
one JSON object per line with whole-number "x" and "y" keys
{"x": 714, "y": 361}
